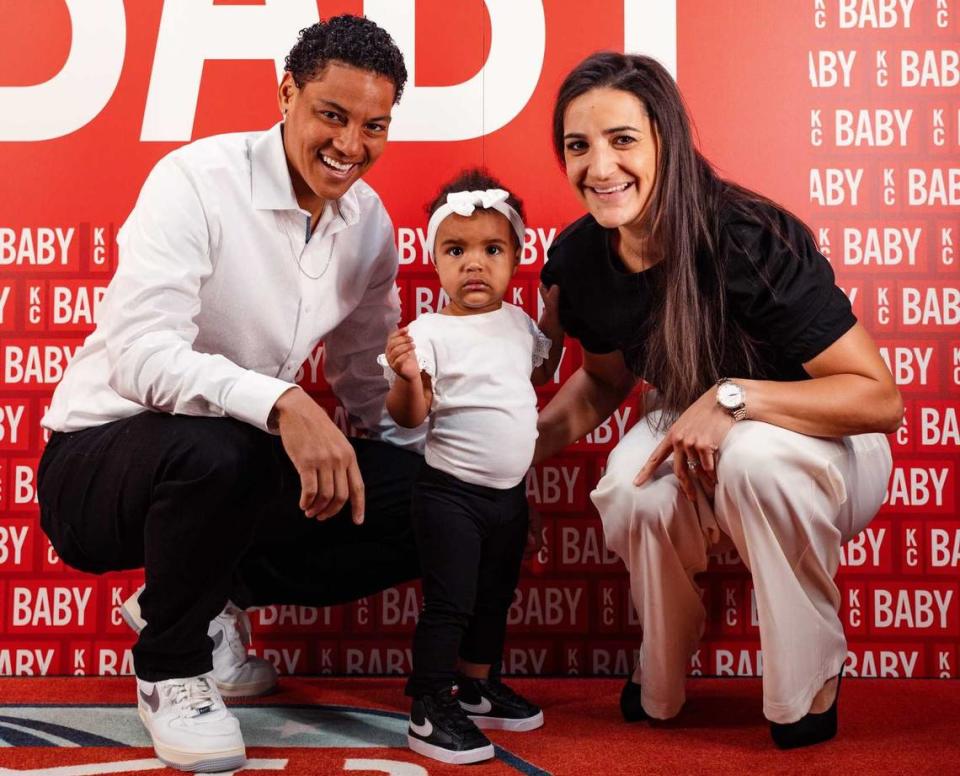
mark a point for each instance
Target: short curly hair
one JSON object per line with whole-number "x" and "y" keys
{"x": 354, "y": 40}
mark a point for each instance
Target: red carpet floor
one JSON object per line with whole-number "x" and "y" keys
{"x": 886, "y": 727}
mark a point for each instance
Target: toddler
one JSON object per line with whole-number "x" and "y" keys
{"x": 471, "y": 369}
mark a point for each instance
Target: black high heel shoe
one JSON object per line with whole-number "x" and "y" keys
{"x": 630, "y": 706}
{"x": 809, "y": 729}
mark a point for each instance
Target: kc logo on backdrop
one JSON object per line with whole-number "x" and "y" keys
{"x": 898, "y": 578}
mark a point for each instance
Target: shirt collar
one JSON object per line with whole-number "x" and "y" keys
{"x": 271, "y": 186}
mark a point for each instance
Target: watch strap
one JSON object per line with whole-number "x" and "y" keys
{"x": 737, "y": 413}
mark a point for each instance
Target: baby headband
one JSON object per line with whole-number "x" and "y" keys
{"x": 463, "y": 203}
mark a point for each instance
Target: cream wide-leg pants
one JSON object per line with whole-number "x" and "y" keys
{"x": 787, "y": 502}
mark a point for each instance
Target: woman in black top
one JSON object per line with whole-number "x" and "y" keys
{"x": 765, "y": 430}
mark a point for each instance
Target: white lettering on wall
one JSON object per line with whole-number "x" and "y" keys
{"x": 84, "y": 85}
{"x": 650, "y": 27}
{"x": 193, "y": 31}
{"x": 490, "y": 99}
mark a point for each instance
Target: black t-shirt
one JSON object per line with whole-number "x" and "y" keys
{"x": 779, "y": 289}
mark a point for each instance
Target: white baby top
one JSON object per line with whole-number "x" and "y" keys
{"x": 483, "y": 420}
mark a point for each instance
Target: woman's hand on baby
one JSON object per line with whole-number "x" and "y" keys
{"x": 694, "y": 440}
{"x": 535, "y": 541}
{"x": 401, "y": 355}
{"x": 549, "y": 322}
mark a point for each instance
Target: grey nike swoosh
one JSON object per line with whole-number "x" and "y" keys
{"x": 477, "y": 708}
{"x": 152, "y": 700}
{"x": 424, "y": 729}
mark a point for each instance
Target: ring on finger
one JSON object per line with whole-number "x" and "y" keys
{"x": 692, "y": 463}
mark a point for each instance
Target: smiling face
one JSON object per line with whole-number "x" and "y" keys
{"x": 610, "y": 153}
{"x": 476, "y": 257}
{"x": 334, "y": 129}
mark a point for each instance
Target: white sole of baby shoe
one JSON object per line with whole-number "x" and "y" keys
{"x": 511, "y": 725}
{"x": 446, "y": 756}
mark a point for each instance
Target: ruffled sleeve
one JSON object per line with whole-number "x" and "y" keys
{"x": 423, "y": 348}
{"x": 541, "y": 346}
{"x": 541, "y": 342}
{"x": 426, "y": 365}
{"x": 781, "y": 289}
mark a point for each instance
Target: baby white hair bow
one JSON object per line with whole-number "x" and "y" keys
{"x": 464, "y": 203}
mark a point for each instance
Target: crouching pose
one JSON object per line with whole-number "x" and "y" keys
{"x": 181, "y": 443}
{"x": 767, "y": 429}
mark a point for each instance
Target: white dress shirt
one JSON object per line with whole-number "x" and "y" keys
{"x": 219, "y": 295}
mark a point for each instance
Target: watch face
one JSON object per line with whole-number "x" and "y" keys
{"x": 730, "y": 395}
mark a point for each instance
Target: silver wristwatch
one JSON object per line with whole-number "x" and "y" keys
{"x": 732, "y": 398}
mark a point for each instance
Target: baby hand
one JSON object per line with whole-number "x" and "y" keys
{"x": 401, "y": 355}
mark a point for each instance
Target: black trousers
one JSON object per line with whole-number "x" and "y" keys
{"x": 471, "y": 541}
{"x": 209, "y": 508}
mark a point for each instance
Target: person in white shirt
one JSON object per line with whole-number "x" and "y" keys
{"x": 180, "y": 441}
{"x": 471, "y": 370}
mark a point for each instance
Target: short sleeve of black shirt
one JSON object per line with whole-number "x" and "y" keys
{"x": 780, "y": 288}
{"x": 572, "y": 262}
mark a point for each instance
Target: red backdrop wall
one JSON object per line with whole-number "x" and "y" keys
{"x": 843, "y": 110}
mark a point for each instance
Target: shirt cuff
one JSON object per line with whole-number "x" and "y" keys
{"x": 252, "y": 398}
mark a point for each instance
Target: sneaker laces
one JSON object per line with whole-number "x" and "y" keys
{"x": 192, "y": 696}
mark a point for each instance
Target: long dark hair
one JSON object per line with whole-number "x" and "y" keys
{"x": 692, "y": 339}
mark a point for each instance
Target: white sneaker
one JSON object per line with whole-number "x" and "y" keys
{"x": 236, "y": 673}
{"x": 191, "y": 728}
